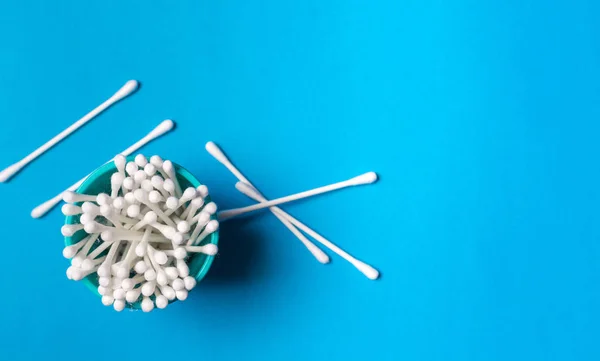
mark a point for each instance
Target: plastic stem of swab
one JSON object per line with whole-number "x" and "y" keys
{"x": 170, "y": 170}
{"x": 366, "y": 269}
{"x": 209, "y": 249}
{"x": 127, "y": 89}
{"x": 210, "y": 227}
{"x": 218, "y": 154}
{"x": 162, "y": 128}
{"x": 366, "y": 178}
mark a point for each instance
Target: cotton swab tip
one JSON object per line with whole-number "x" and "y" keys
{"x": 367, "y": 178}
{"x": 147, "y": 305}
{"x": 162, "y": 128}
{"x": 210, "y": 249}
{"x": 120, "y": 162}
{"x": 216, "y": 152}
{"x": 7, "y": 173}
{"x": 125, "y": 90}
{"x": 367, "y": 270}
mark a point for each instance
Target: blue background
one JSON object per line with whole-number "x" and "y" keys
{"x": 482, "y": 118}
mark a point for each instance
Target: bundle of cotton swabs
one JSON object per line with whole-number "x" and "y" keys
{"x": 141, "y": 235}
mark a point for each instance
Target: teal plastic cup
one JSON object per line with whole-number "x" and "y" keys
{"x": 99, "y": 182}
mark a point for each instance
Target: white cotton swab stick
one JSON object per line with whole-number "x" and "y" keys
{"x": 366, "y": 178}
{"x": 216, "y": 152}
{"x": 127, "y": 89}
{"x": 161, "y": 129}
{"x": 366, "y": 269}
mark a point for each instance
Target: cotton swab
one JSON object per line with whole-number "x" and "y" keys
{"x": 218, "y": 154}
{"x": 366, "y": 178}
{"x": 127, "y": 89}
{"x": 161, "y": 129}
{"x": 366, "y": 269}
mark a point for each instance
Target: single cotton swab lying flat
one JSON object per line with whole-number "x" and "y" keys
{"x": 366, "y": 178}
{"x": 127, "y": 89}
{"x": 366, "y": 269}
{"x": 218, "y": 154}
{"x": 161, "y": 129}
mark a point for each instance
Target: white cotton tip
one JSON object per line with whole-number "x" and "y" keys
{"x": 160, "y": 257}
{"x": 150, "y": 217}
{"x": 196, "y": 203}
{"x": 169, "y": 186}
{"x": 183, "y": 227}
{"x": 133, "y": 211}
{"x": 103, "y": 199}
{"x": 70, "y": 272}
{"x": 180, "y": 253}
{"x": 367, "y": 178}
{"x": 125, "y": 90}
{"x": 202, "y": 191}
{"x": 119, "y": 294}
{"x": 118, "y": 203}
{"x": 106, "y": 210}
{"x": 123, "y": 272}
{"x": 210, "y": 249}
{"x": 148, "y": 288}
{"x": 77, "y": 274}
{"x": 132, "y": 296}
{"x": 108, "y": 236}
{"x": 86, "y": 218}
{"x": 367, "y": 270}
{"x": 157, "y": 181}
{"x": 178, "y": 284}
{"x": 147, "y": 186}
{"x": 71, "y": 210}
{"x": 140, "y": 195}
{"x": 171, "y": 273}
{"x": 129, "y": 198}
{"x": 91, "y": 227}
{"x": 43, "y": 208}
{"x": 9, "y": 172}
{"x": 147, "y": 304}
{"x": 140, "y": 176}
{"x": 69, "y": 230}
{"x": 87, "y": 265}
{"x": 102, "y": 290}
{"x": 70, "y": 251}
{"x": 131, "y": 168}
{"x": 150, "y": 275}
{"x": 140, "y": 251}
{"x": 168, "y": 292}
{"x": 119, "y": 305}
{"x": 89, "y": 207}
{"x": 177, "y": 238}
{"x": 161, "y": 302}
{"x": 156, "y": 161}
{"x": 172, "y": 203}
{"x": 77, "y": 260}
{"x": 212, "y": 226}
{"x": 69, "y": 197}
{"x": 189, "y": 194}
{"x": 162, "y": 279}
{"x": 129, "y": 183}
{"x": 120, "y": 162}
{"x": 128, "y": 284}
{"x": 150, "y": 169}
{"x": 140, "y": 160}
{"x": 155, "y": 197}
{"x": 162, "y": 128}
{"x": 107, "y": 300}
{"x": 116, "y": 179}
{"x": 183, "y": 268}
{"x": 140, "y": 266}
{"x": 104, "y": 271}
{"x": 168, "y": 167}
{"x": 210, "y": 208}
{"x": 203, "y": 217}
{"x": 189, "y": 282}
{"x": 104, "y": 281}
{"x": 216, "y": 152}
{"x": 181, "y": 295}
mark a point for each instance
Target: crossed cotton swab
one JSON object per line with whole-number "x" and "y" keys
{"x": 161, "y": 129}
{"x": 366, "y": 178}
{"x": 218, "y": 154}
{"x": 11, "y": 170}
{"x": 248, "y": 189}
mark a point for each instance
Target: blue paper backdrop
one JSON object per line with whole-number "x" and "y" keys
{"x": 482, "y": 118}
